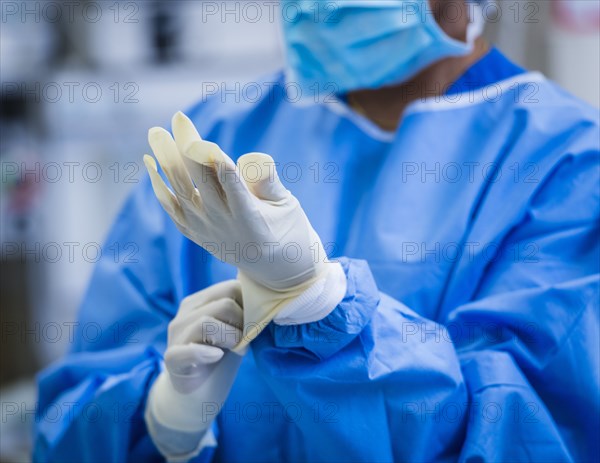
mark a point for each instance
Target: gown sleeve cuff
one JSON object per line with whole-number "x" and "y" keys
{"x": 178, "y": 446}
{"x": 325, "y": 337}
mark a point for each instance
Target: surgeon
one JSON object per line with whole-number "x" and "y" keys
{"x": 400, "y": 265}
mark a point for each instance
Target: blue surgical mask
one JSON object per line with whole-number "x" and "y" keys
{"x": 344, "y": 45}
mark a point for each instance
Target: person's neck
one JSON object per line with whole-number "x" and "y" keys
{"x": 384, "y": 106}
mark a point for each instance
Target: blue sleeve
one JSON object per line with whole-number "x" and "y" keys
{"x": 509, "y": 375}
{"x": 91, "y": 403}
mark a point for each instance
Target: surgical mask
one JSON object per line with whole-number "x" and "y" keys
{"x": 336, "y": 47}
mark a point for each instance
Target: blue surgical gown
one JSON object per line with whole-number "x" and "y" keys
{"x": 469, "y": 330}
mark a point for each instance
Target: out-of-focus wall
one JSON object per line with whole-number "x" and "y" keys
{"x": 80, "y": 84}
{"x": 560, "y": 38}
{"x": 87, "y": 80}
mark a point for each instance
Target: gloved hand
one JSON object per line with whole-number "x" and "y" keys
{"x": 199, "y": 371}
{"x": 243, "y": 215}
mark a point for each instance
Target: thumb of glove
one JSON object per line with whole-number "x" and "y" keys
{"x": 259, "y": 172}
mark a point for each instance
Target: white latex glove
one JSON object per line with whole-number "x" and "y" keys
{"x": 199, "y": 370}
{"x": 243, "y": 215}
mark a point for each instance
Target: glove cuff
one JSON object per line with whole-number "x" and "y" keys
{"x": 173, "y": 410}
{"x": 188, "y": 416}
{"x": 318, "y": 300}
{"x": 262, "y": 305}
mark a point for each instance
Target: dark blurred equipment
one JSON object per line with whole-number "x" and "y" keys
{"x": 164, "y": 32}
{"x": 17, "y": 358}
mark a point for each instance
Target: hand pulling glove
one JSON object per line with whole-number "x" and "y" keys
{"x": 199, "y": 370}
{"x": 243, "y": 215}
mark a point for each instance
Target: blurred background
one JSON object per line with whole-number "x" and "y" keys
{"x": 80, "y": 84}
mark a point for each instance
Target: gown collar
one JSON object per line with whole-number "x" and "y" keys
{"x": 491, "y": 69}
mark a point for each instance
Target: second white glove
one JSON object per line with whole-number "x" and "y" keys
{"x": 199, "y": 370}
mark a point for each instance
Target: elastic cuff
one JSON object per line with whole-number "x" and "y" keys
{"x": 327, "y": 336}
{"x": 208, "y": 440}
{"x": 177, "y": 446}
{"x": 318, "y": 301}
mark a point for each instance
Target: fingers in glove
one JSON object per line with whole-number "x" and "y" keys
{"x": 207, "y": 330}
{"x": 165, "y": 150}
{"x": 189, "y": 365}
{"x": 184, "y": 131}
{"x": 239, "y": 197}
{"x": 203, "y": 159}
{"x": 165, "y": 196}
{"x": 224, "y": 310}
{"x": 226, "y": 289}
{"x": 259, "y": 173}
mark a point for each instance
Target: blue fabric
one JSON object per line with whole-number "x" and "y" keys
{"x": 469, "y": 330}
